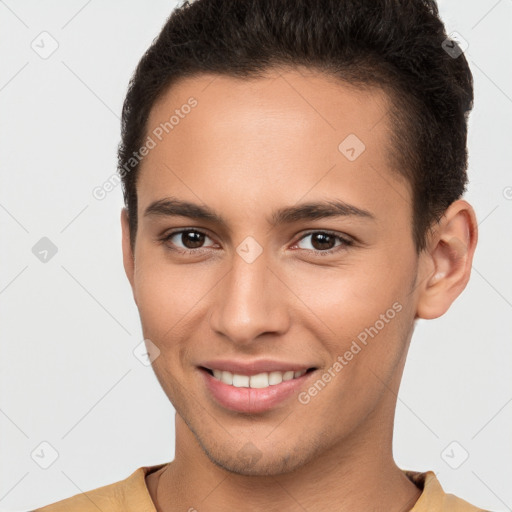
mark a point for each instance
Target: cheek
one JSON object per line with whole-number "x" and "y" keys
{"x": 156, "y": 288}
{"x": 349, "y": 298}
{"x": 169, "y": 296}
{"x": 361, "y": 313}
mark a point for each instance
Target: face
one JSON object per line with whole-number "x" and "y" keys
{"x": 256, "y": 274}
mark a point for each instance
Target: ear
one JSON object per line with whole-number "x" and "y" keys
{"x": 128, "y": 258}
{"x": 446, "y": 262}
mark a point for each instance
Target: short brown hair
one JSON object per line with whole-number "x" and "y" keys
{"x": 398, "y": 45}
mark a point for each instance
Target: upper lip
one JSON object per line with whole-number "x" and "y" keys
{"x": 253, "y": 367}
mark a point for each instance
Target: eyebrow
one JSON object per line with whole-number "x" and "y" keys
{"x": 170, "y": 207}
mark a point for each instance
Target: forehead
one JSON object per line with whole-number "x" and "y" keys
{"x": 286, "y": 135}
{"x": 293, "y": 100}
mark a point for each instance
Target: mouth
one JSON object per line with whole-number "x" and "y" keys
{"x": 256, "y": 393}
{"x": 260, "y": 380}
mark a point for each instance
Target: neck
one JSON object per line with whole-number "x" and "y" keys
{"x": 362, "y": 478}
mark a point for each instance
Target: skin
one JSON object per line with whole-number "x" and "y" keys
{"x": 247, "y": 149}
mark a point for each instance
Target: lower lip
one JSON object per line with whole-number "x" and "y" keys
{"x": 252, "y": 400}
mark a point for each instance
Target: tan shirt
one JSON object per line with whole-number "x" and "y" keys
{"x": 132, "y": 495}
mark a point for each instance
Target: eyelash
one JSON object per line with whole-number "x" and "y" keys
{"x": 345, "y": 242}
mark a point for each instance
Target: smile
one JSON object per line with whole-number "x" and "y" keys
{"x": 255, "y": 393}
{"x": 258, "y": 381}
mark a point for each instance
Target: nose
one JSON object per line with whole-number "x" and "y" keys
{"x": 251, "y": 301}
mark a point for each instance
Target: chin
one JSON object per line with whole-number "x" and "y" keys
{"x": 250, "y": 461}
{"x": 263, "y": 467}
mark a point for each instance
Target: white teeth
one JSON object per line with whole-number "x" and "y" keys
{"x": 241, "y": 381}
{"x": 227, "y": 377}
{"x": 261, "y": 380}
{"x": 275, "y": 378}
{"x": 288, "y": 375}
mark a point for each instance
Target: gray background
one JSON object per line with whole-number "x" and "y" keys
{"x": 69, "y": 326}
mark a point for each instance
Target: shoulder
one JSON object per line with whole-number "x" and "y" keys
{"x": 128, "y": 495}
{"x": 434, "y": 498}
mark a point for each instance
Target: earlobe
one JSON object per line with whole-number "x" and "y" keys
{"x": 448, "y": 258}
{"x": 128, "y": 258}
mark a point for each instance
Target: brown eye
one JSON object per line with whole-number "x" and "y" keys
{"x": 186, "y": 240}
{"x": 192, "y": 239}
{"x": 323, "y": 242}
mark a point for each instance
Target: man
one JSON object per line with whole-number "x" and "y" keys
{"x": 293, "y": 173}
